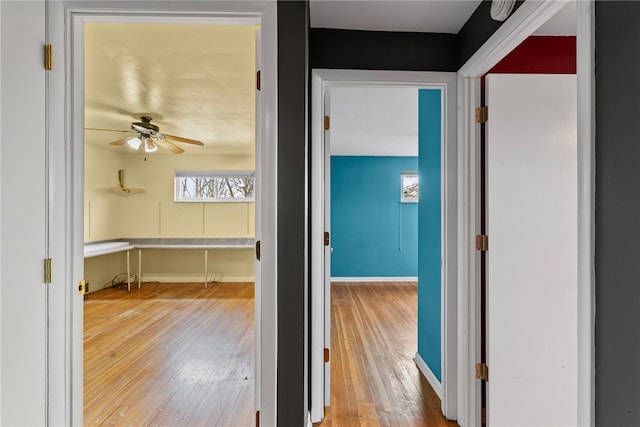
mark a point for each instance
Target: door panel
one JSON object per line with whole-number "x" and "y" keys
{"x": 327, "y": 249}
{"x": 23, "y": 309}
{"x": 532, "y": 257}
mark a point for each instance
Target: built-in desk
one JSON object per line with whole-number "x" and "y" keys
{"x": 104, "y": 248}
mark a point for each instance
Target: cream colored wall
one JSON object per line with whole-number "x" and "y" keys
{"x": 154, "y": 214}
{"x": 101, "y": 208}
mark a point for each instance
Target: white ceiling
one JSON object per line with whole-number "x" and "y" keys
{"x": 435, "y": 16}
{"x": 196, "y": 81}
{"x": 374, "y": 121}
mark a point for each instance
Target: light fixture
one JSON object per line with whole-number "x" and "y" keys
{"x": 149, "y": 145}
{"x": 134, "y": 142}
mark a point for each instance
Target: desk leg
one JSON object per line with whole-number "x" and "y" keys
{"x": 139, "y": 268}
{"x": 128, "y": 271}
{"x": 206, "y": 267}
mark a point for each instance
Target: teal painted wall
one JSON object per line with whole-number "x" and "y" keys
{"x": 373, "y": 234}
{"x": 429, "y": 229}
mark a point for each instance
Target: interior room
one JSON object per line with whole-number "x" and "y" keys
{"x": 169, "y": 223}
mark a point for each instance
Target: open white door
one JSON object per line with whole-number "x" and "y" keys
{"x": 532, "y": 257}
{"x": 257, "y": 289}
{"x": 327, "y": 247}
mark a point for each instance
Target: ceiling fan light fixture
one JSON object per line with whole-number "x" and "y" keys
{"x": 134, "y": 142}
{"x": 149, "y": 145}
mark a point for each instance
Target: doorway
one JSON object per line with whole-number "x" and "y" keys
{"x": 65, "y": 355}
{"x": 170, "y": 173}
{"x": 528, "y": 19}
{"x": 321, "y": 80}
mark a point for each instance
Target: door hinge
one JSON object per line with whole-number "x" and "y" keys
{"x": 82, "y": 287}
{"x": 482, "y": 242}
{"x": 482, "y": 371}
{"x": 327, "y": 238}
{"x": 258, "y": 80}
{"x": 327, "y": 122}
{"x": 48, "y": 57}
{"x": 482, "y": 114}
{"x": 258, "y": 250}
{"x": 327, "y": 355}
{"x": 257, "y": 418}
{"x": 47, "y": 270}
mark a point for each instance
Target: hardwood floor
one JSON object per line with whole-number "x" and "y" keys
{"x": 180, "y": 355}
{"x": 374, "y": 379}
{"x": 171, "y": 354}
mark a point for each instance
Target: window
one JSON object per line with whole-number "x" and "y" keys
{"x": 410, "y": 190}
{"x": 214, "y": 186}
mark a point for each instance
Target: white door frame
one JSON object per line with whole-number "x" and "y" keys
{"x": 524, "y": 21}
{"x": 321, "y": 79}
{"x": 65, "y": 107}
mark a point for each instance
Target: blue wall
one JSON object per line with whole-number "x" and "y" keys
{"x": 373, "y": 234}
{"x": 429, "y": 238}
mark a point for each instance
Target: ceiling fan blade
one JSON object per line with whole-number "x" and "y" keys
{"x": 109, "y": 130}
{"x": 185, "y": 140}
{"x": 168, "y": 145}
{"x": 122, "y": 140}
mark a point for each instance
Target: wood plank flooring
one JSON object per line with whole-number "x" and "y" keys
{"x": 177, "y": 354}
{"x": 172, "y": 354}
{"x": 374, "y": 379}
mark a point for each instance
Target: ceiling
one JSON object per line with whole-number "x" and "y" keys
{"x": 205, "y": 92}
{"x": 435, "y": 16}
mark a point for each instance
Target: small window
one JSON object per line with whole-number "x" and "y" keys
{"x": 215, "y": 186}
{"x": 410, "y": 190}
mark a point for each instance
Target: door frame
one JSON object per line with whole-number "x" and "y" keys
{"x": 65, "y": 116}
{"x": 320, "y": 80}
{"x": 524, "y": 21}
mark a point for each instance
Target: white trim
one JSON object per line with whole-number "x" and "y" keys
{"x": 374, "y": 279}
{"x": 193, "y": 278}
{"x": 586, "y": 209}
{"x": 524, "y": 21}
{"x": 66, "y": 109}
{"x": 428, "y": 375}
{"x": 321, "y": 79}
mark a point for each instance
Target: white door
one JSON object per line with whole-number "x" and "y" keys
{"x": 23, "y": 181}
{"x": 327, "y": 247}
{"x": 257, "y": 288}
{"x": 532, "y": 257}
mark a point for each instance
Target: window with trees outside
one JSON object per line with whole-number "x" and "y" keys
{"x": 214, "y": 186}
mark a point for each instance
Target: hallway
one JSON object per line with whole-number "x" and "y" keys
{"x": 374, "y": 379}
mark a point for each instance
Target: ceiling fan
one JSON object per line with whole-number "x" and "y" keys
{"x": 146, "y": 135}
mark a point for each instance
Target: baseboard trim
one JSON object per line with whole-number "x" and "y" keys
{"x": 191, "y": 279}
{"x": 375, "y": 279}
{"x": 430, "y": 376}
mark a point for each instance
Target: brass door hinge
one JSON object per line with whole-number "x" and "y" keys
{"x": 482, "y": 371}
{"x": 82, "y": 287}
{"x": 327, "y": 122}
{"x": 48, "y": 57}
{"x": 257, "y": 418}
{"x": 258, "y": 250}
{"x": 327, "y": 238}
{"x": 482, "y": 242}
{"x": 258, "y": 80}
{"x": 47, "y": 270}
{"x": 327, "y": 355}
{"x": 482, "y": 114}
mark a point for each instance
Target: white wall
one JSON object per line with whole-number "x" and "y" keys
{"x": 154, "y": 214}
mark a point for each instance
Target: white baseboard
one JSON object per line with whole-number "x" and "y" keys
{"x": 430, "y": 376}
{"x": 190, "y": 279}
{"x": 375, "y": 279}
